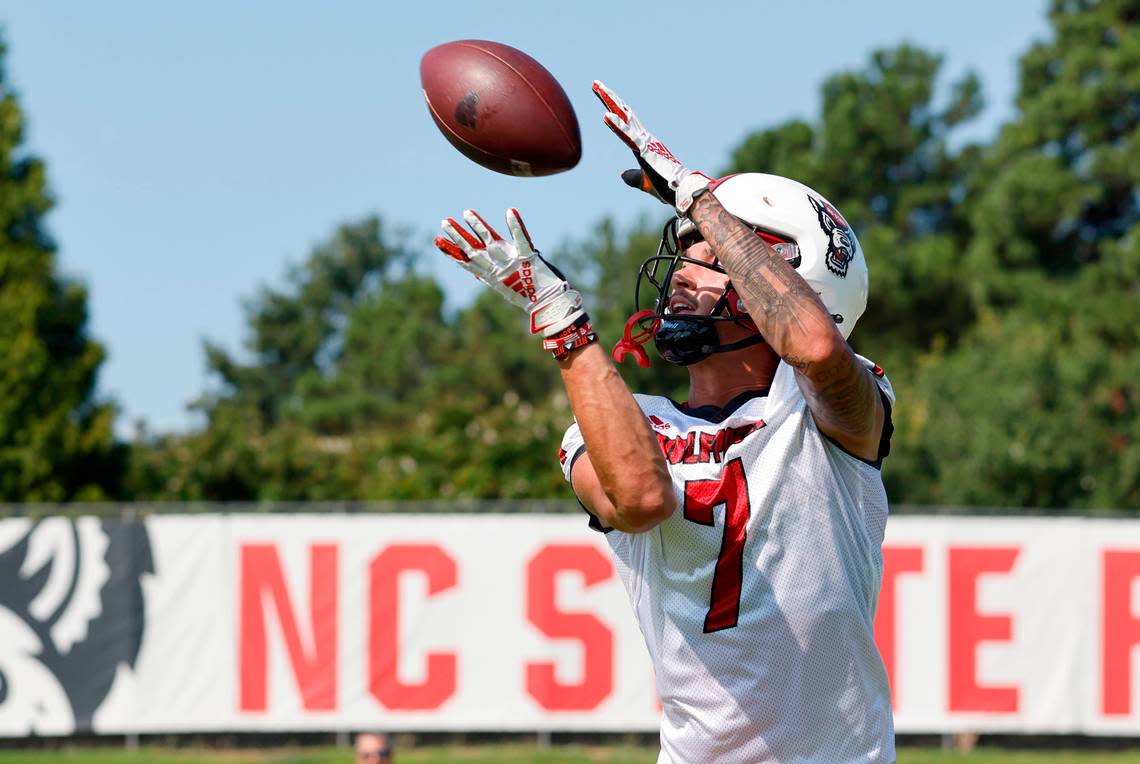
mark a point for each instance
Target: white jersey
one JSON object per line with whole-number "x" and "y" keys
{"x": 757, "y": 597}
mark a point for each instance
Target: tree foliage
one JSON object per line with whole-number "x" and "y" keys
{"x": 1038, "y": 406}
{"x": 880, "y": 154}
{"x": 56, "y": 440}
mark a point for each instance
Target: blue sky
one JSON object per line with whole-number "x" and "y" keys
{"x": 198, "y": 149}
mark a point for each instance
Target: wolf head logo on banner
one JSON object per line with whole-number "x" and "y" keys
{"x": 71, "y": 613}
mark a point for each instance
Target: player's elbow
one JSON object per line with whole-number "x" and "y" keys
{"x": 645, "y": 508}
{"x": 820, "y": 356}
{"x": 639, "y": 497}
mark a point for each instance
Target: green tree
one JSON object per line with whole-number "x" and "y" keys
{"x": 56, "y": 436}
{"x": 1061, "y": 179}
{"x": 1039, "y": 406}
{"x": 262, "y": 438}
{"x": 880, "y": 152}
{"x": 296, "y": 332}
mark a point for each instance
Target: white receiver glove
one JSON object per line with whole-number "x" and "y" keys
{"x": 516, "y": 271}
{"x": 663, "y": 174}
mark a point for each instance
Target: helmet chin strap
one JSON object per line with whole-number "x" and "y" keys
{"x": 755, "y": 339}
{"x": 722, "y": 308}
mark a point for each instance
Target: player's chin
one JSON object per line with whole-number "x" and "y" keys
{"x": 729, "y": 332}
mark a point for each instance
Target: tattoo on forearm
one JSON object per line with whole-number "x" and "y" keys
{"x": 780, "y": 301}
{"x": 789, "y": 314}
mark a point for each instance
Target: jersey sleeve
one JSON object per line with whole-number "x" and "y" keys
{"x": 572, "y": 447}
{"x": 887, "y": 391}
{"x": 881, "y": 380}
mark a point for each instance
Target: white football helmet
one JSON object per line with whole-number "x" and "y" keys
{"x": 830, "y": 258}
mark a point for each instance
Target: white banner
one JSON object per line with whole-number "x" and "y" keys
{"x": 513, "y": 622}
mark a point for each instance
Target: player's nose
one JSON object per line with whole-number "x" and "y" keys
{"x": 681, "y": 286}
{"x": 683, "y": 276}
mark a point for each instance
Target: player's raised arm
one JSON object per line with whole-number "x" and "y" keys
{"x": 840, "y": 390}
{"x": 622, "y": 478}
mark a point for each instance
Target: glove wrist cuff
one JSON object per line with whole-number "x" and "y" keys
{"x": 557, "y": 308}
{"x": 577, "y": 335}
{"x": 691, "y": 186}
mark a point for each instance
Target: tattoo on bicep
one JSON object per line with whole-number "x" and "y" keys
{"x": 843, "y": 395}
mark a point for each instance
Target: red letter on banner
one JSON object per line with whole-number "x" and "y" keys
{"x": 597, "y": 640}
{"x": 1120, "y": 631}
{"x": 896, "y": 561}
{"x": 383, "y": 625}
{"x": 969, "y": 628}
{"x": 315, "y": 670}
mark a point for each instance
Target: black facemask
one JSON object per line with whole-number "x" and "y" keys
{"x": 685, "y": 342}
{"x": 682, "y": 339}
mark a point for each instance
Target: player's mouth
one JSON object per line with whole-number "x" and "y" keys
{"x": 681, "y": 305}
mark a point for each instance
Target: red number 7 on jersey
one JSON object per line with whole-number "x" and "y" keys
{"x": 701, "y": 496}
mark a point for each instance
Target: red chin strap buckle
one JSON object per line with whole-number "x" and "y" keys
{"x": 631, "y": 344}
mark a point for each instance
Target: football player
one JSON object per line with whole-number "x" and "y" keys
{"x": 747, "y": 523}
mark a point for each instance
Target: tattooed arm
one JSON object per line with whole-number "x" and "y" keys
{"x": 840, "y": 391}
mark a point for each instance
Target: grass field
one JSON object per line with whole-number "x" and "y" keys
{"x": 512, "y": 754}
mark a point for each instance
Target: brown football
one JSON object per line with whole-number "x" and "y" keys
{"x": 500, "y": 108}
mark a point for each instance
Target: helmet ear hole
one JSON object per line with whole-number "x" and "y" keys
{"x": 734, "y": 306}
{"x": 770, "y": 238}
{"x": 732, "y": 297}
{"x": 782, "y": 246}
{"x": 688, "y": 240}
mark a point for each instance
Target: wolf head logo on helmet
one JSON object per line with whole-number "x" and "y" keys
{"x": 73, "y": 591}
{"x": 839, "y": 236}
{"x": 799, "y": 224}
